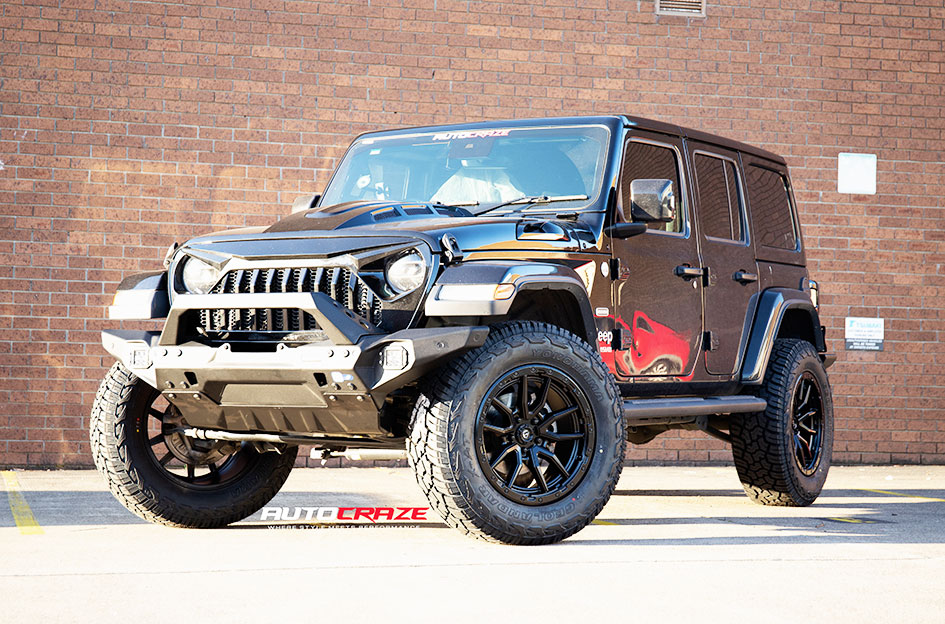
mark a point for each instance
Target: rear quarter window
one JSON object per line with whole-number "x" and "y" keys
{"x": 771, "y": 214}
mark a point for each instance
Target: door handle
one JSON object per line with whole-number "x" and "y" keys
{"x": 745, "y": 277}
{"x": 688, "y": 272}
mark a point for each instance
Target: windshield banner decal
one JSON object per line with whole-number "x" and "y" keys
{"x": 471, "y": 134}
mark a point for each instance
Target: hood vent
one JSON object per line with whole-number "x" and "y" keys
{"x": 418, "y": 210}
{"x": 412, "y": 210}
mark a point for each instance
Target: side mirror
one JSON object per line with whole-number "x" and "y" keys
{"x": 652, "y": 201}
{"x": 305, "y": 202}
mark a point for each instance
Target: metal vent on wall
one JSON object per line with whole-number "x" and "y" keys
{"x": 691, "y": 8}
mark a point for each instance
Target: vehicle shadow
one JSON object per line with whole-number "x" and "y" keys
{"x": 903, "y": 516}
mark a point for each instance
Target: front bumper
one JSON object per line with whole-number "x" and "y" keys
{"x": 321, "y": 388}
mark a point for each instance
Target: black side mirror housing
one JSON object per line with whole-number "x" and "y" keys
{"x": 652, "y": 201}
{"x": 625, "y": 230}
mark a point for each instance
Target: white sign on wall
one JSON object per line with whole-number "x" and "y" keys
{"x": 864, "y": 334}
{"x": 856, "y": 173}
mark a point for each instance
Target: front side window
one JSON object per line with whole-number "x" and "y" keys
{"x": 647, "y": 161}
{"x": 476, "y": 168}
{"x": 719, "y": 198}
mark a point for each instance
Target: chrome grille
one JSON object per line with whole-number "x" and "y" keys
{"x": 341, "y": 284}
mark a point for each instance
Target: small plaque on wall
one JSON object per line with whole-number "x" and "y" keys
{"x": 864, "y": 334}
{"x": 856, "y": 173}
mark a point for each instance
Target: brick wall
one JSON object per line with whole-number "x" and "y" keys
{"x": 125, "y": 126}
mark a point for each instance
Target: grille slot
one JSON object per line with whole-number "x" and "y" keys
{"x": 339, "y": 283}
{"x": 257, "y": 320}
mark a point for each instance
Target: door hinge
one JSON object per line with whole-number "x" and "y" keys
{"x": 623, "y": 339}
{"x": 710, "y": 341}
{"x": 619, "y": 270}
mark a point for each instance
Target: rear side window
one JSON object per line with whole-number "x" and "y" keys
{"x": 771, "y": 209}
{"x": 647, "y": 161}
{"x": 720, "y": 202}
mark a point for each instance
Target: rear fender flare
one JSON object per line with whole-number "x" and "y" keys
{"x": 773, "y": 304}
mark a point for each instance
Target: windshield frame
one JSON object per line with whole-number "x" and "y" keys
{"x": 601, "y": 182}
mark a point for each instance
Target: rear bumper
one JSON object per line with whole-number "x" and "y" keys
{"x": 321, "y": 388}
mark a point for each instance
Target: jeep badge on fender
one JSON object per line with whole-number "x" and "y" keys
{"x": 508, "y": 302}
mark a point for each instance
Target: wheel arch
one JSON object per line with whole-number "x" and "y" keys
{"x": 781, "y": 313}
{"x": 562, "y": 304}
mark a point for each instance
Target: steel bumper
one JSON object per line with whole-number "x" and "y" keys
{"x": 320, "y": 388}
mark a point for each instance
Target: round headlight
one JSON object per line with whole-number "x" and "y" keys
{"x": 406, "y": 273}
{"x": 198, "y": 276}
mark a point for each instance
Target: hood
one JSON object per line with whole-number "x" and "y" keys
{"x": 433, "y": 221}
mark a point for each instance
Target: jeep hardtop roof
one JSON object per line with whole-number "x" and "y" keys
{"x": 627, "y": 120}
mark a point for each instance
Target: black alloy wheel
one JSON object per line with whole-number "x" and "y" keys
{"x": 783, "y": 453}
{"x": 521, "y": 440}
{"x": 534, "y": 435}
{"x": 162, "y": 475}
{"x": 807, "y": 423}
{"x": 191, "y": 462}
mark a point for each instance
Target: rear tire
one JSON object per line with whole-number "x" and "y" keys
{"x": 521, "y": 440}
{"x": 236, "y": 483}
{"x": 783, "y": 454}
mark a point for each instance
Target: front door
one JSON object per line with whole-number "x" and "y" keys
{"x": 658, "y": 315}
{"x": 729, "y": 261}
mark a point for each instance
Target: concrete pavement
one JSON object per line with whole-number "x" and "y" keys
{"x": 674, "y": 544}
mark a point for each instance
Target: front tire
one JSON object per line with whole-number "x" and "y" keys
{"x": 783, "y": 454}
{"x": 521, "y": 440}
{"x": 136, "y": 447}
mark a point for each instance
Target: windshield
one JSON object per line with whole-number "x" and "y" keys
{"x": 482, "y": 168}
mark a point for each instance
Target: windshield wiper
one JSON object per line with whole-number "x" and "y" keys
{"x": 534, "y": 199}
{"x": 456, "y": 204}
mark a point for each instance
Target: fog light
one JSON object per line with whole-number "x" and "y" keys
{"x": 394, "y": 357}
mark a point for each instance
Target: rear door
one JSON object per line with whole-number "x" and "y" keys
{"x": 658, "y": 314}
{"x": 731, "y": 273}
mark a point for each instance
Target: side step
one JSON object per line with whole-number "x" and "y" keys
{"x": 361, "y": 454}
{"x": 686, "y": 409}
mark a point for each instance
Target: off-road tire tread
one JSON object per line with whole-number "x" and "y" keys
{"x": 444, "y": 391}
{"x": 110, "y": 415}
{"x": 763, "y": 465}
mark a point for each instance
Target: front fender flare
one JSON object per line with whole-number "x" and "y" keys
{"x": 470, "y": 290}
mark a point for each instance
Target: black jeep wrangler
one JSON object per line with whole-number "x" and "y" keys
{"x": 510, "y": 302}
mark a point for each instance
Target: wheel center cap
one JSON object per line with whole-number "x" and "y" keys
{"x": 525, "y": 434}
